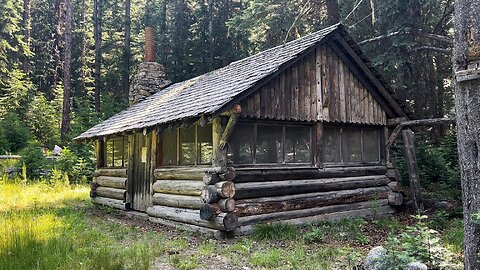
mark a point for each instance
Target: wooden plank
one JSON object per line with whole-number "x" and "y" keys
{"x": 282, "y": 109}
{"x": 296, "y": 93}
{"x": 318, "y": 140}
{"x": 341, "y": 89}
{"x": 277, "y": 94}
{"x": 288, "y": 102}
{"x": 371, "y": 77}
{"x": 348, "y": 95}
{"x": 264, "y": 100}
{"x": 130, "y": 171}
{"x": 306, "y": 88}
{"x": 318, "y": 78}
{"x": 257, "y": 104}
{"x": 326, "y": 84}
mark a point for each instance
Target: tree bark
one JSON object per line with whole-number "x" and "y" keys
{"x": 467, "y": 104}
{"x": 333, "y": 12}
{"x": 26, "y": 37}
{"x": 67, "y": 92}
{"x": 126, "y": 53}
{"x": 97, "y": 36}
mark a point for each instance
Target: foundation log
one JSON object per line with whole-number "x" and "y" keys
{"x": 225, "y": 189}
{"x": 118, "y": 204}
{"x": 113, "y": 193}
{"x": 267, "y": 205}
{"x": 224, "y": 221}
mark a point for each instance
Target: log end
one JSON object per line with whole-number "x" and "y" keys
{"x": 230, "y": 222}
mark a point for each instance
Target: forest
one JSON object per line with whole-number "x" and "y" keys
{"x": 67, "y": 65}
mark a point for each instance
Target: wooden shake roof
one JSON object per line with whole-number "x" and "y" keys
{"x": 218, "y": 90}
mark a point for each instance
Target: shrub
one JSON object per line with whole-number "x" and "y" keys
{"x": 420, "y": 243}
{"x": 14, "y": 135}
{"x": 315, "y": 235}
{"x": 76, "y": 167}
{"x": 33, "y": 159}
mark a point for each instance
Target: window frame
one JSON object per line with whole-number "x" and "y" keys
{"x": 342, "y": 163}
{"x": 282, "y": 124}
{"x": 197, "y": 162}
{"x": 125, "y": 146}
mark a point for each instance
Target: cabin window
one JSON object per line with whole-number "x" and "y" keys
{"x": 270, "y": 144}
{"x": 351, "y": 145}
{"x": 116, "y": 152}
{"x": 187, "y": 146}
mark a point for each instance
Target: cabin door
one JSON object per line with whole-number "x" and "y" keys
{"x": 141, "y": 186}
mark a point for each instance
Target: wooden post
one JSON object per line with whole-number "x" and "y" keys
{"x": 219, "y": 154}
{"x": 318, "y": 142}
{"x": 99, "y": 149}
{"x": 415, "y": 188}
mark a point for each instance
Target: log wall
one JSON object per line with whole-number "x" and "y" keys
{"x": 303, "y": 195}
{"x": 109, "y": 187}
{"x": 196, "y": 196}
{"x": 320, "y": 87}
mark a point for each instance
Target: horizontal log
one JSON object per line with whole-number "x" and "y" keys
{"x": 395, "y": 186}
{"x": 118, "y": 204}
{"x": 395, "y": 198}
{"x": 262, "y": 175}
{"x": 213, "y": 178}
{"x": 229, "y": 175}
{"x": 210, "y": 211}
{"x": 185, "y": 173}
{"x": 209, "y": 194}
{"x": 225, "y": 189}
{"x": 189, "y": 227}
{"x": 181, "y": 187}
{"x": 182, "y": 201}
{"x": 113, "y": 193}
{"x": 372, "y": 212}
{"x": 224, "y": 221}
{"x": 393, "y": 174}
{"x": 110, "y": 181}
{"x": 289, "y": 187}
{"x": 110, "y": 172}
{"x": 266, "y": 205}
{"x": 249, "y": 220}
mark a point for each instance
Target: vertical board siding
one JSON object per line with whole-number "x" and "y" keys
{"x": 319, "y": 87}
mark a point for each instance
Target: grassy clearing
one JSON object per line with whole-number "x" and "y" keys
{"x": 56, "y": 227}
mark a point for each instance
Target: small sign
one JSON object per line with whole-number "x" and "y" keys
{"x": 144, "y": 154}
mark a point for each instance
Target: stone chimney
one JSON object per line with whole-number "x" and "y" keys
{"x": 150, "y": 76}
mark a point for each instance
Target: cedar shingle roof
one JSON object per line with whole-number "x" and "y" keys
{"x": 208, "y": 93}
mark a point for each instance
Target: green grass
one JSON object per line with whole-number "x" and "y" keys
{"x": 56, "y": 227}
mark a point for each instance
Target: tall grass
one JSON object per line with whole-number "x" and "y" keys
{"x": 48, "y": 227}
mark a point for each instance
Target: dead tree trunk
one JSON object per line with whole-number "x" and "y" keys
{"x": 415, "y": 188}
{"x": 333, "y": 12}
{"x": 67, "y": 92}
{"x": 466, "y": 56}
{"x": 97, "y": 36}
{"x": 126, "y": 53}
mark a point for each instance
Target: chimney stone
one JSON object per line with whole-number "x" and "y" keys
{"x": 150, "y": 76}
{"x": 149, "y": 79}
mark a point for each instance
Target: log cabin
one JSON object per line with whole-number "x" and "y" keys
{"x": 292, "y": 134}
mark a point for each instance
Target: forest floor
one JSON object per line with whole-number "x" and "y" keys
{"x": 55, "y": 226}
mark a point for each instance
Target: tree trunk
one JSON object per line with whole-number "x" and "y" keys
{"x": 467, "y": 104}
{"x": 26, "y": 38}
{"x": 97, "y": 36}
{"x": 57, "y": 42}
{"x": 333, "y": 12}
{"x": 67, "y": 92}
{"x": 126, "y": 53}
